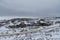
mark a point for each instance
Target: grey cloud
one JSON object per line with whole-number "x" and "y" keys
{"x": 35, "y": 8}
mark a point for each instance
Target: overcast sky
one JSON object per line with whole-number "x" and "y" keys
{"x": 35, "y": 8}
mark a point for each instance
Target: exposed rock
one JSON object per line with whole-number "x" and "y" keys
{"x": 22, "y": 25}
{"x": 24, "y": 22}
{"x": 57, "y": 22}
{"x": 42, "y": 22}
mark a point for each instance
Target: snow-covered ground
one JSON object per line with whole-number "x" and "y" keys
{"x": 10, "y": 17}
{"x": 51, "y": 34}
{"x": 39, "y": 35}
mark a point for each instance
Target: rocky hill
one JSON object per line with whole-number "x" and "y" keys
{"x": 24, "y": 22}
{"x": 15, "y": 25}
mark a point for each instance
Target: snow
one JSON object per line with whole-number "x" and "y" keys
{"x": 11, "y": 17}
{"x": 31, "y": 36}
{"x": 39, "y": 35}
{"x": 3, "y": 28}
